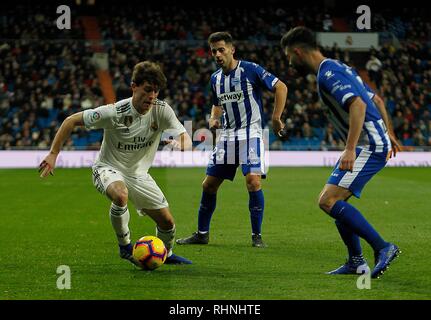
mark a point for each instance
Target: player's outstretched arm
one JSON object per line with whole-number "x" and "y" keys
{"x": 279, "y": 105}
{"x": 357, "y": 108}
{"x": 48, "y": 164}
{"x": 396, "y": 145}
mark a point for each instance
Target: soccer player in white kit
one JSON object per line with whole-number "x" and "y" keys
{"x": 132, "y": 132}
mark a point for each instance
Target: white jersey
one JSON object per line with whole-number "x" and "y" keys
{"x": 130, "y": 139}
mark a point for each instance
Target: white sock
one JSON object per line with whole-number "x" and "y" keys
{"x": 120, "y": 222}
{"x": 167, "y": 236}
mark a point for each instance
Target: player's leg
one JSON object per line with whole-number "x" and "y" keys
{"x": 256, "y": 206}
{"x": 251, "y": 155}
{"x": 328, "y": 197}
{"x": 119, "y": 213}
{"x": 210, "y": 186}
{"x": 366, "y": 165}
{"x": 165, "y": 230}
{"x": 111, "y": 183}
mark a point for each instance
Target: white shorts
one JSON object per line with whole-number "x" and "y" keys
{"x": 143, "y": 190}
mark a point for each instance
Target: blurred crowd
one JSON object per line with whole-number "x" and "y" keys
{"x": 404, "y": 79}
{"x": 44, "y": 81}
{"x": 193, "y": 23}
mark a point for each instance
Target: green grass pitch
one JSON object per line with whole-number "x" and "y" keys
{"x": 63, "y": 220}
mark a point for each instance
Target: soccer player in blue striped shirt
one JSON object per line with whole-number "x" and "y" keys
{"x": 237, "y": 107}
{"x": 360, "y": 118}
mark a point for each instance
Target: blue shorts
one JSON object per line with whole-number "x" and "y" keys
{"x": 228, "y": 155}
{"x": 366, "y": 165}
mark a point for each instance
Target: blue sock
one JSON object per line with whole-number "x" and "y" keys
{"x": 206, "y": 210}
{"x": 256, "y": 205}
{"x": 355, "y": 221}
{"x": 350, "y": 239}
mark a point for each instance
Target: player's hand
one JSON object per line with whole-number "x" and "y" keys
{"x": 172, "y": 143}
{"x": 47, "y": 165}
{"x": 277, "y": 127}
{"x": 396, "y": 145}
{"x": 214, "y": 123}
{"x": 347, "y": 160}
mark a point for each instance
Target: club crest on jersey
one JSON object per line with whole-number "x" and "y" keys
{"x": 235, "y": 81}
{"x": 154, "y": 126}
{"x": 329, "y": 74}
{"x": 128, "y": 120}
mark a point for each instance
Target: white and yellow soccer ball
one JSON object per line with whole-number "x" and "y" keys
{"x": 150, "y": 252}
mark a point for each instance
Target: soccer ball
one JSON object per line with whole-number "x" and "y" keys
{"x": 150, "y": 252}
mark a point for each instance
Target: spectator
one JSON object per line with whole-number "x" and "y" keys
{"x": 51, "y": 79}
{"x": 307, "y": 131}
{"x": 373, "y": 67}
{"x": 327, "y": 24}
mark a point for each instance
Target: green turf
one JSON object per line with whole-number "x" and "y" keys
{"x": 63, "y": 220}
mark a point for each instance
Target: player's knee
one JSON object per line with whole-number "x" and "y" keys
{"x": 253, "y": 185}
{"x": 121, "y": 197}
{"x": 326, "y": 202}
{"x": 208, "y": 187}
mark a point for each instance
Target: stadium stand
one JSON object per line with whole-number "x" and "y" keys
{"x": 47, "y": 74}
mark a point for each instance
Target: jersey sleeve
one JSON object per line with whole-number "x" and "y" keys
{"x": 170, "y": 123}
{"x": 99, "y": 118}
{"x": 267, "y": 79}
{"x": 370, "y": 91}
{"x": 340, "y": 85}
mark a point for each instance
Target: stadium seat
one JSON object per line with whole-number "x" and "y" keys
{"x": 408, "y": 142}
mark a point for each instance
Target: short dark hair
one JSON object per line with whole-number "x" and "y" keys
{"x": 220, "y": 36}
{"x": 299, "y": 36}
{"x": 150, "y": 72}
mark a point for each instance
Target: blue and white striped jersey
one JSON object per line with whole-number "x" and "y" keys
{"x": 337, "y": 83}
{"x": 239, "y": 93}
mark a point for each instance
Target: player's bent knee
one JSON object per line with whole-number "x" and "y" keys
{"x": 117, "y": 192}
{"x": 253, "y": 182}
{"x": 253, "y": 186}
{"x": 326, "y": 203}
{"x": 209, "y": 187}
{"x": 121, "y": 197}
